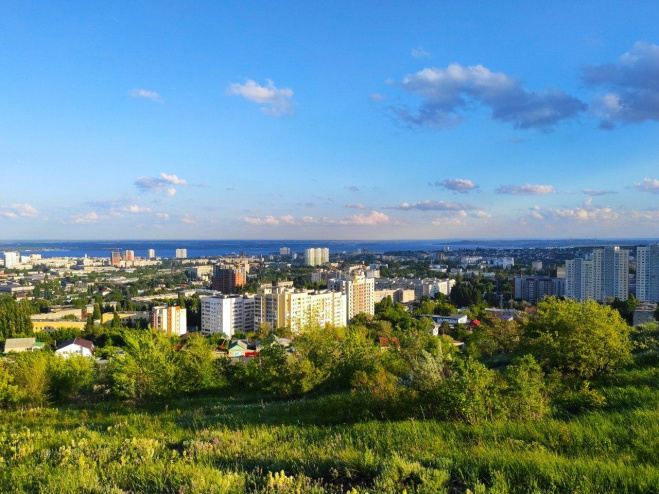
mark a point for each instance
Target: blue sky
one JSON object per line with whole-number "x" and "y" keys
{"x": 302, "y": 120}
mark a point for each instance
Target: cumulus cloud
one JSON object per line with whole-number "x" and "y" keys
{"x": 592, "y": 192}
{"x": 187, "y": 219}
{"x": 526, "y": 189}
{"x": 648, "y": 185}
{"x": 432, "y": 206}
{"x": 456, "y": 184}
{"x": 364, "y": 219}
{"x": 275, "y": 101}
{"x": 91, "y": 217}
{"x": 134, "y": 208}
{"x": 420, "y": 52}
{"x": 587, "y": 212}
{"x": 164, "y": 216}
{"x": 367, "y": 219}
{"x": 144, "y": 93}
{"x": 17, "y": 209}
{"x": 357, "y": 206}
{"x": 632, "y": 85}
{"x": 162, "y": 183}
{"x": 445, "y": 92}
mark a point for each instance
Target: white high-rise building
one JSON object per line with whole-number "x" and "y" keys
{"x": 227, "y": 314}
{"x": 430, "y": 288}
{"x": 358, "y": 290}
{"x": 647, "y": 273}
{"x": 610, "y": 273}
{"x": 151, "y": 254}
{"x": 579, "y": 282}
{"x": 316, "y": 257}
{"x": 284, "y": 251}
{"x": 604, "y": 276}
{"x": 181, "y": 253}
{"x": 172, "y": 320}
{"x": 11, "y": 259}
{"x": 284, "y": 306}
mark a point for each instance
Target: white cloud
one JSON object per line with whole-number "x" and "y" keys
{"x": 164, "y": 216}
{"x": 420, "y": 52}
{"x": 91, "y": 217}
{"x": 188, "y": 219}
{"x": 134, "y": 208}
{"x": 268, "y": 220}
{"x": 357, "y": 206}
{"x": 432, "y": 206}
{"x": 461, "y": 185}
{"x": 368, "y": 219}
{"x": 144, "y": 93}
{"x": 17, "y": 209}
{"x": 446, "y": 92}
{"x": 526, "y": 189}
{"x": 648, "y": 185}
{"x": 277, "y": 102}
{"x": 162, "y": 183}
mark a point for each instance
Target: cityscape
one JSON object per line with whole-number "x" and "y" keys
{"x": 329, "y": 248}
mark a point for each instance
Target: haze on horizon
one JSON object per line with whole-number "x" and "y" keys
{"x": 292, "y": 120}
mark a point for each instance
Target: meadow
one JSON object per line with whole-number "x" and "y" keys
{"x": 332, "y": 444}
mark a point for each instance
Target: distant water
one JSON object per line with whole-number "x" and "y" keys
{"x": 209, "y": 248}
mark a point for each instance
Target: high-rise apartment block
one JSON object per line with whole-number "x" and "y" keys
{"x": 115, "y": 258}
{"x": 129, "y": 255}
{"x": 316, "y": 257}
{"x": 181, "y": 254}
{"x": 535, "y": 288}
{"x": 647, "y": 273}
{"x": 227, "y": 314}
{"x": 227, "y": 278}
{"x": 604, "y": 276}
{"x": 284, "y": 251}
{"x": 151, "y": 254}
{"x": 171, "y": 320}
{"x": 358, "y": 290}
{"x": 11, "y": 259}
{"x": 284, "y": 306}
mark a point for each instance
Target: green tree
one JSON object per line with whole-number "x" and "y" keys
{"x": 14, "y": 318}
{"x": 146, "y": 370}
{"x": 30, "y": 375}
{"x": 464, "y": 294}
{"x": 582, "y": 340}
{"x": 195, "y": 366}
{"x": 526, "y": 391}
{"x": 9, "y": 392}
{"x": 71, "y": 377}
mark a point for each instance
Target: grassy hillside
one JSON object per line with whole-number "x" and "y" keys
{"x": 332, "y": 444}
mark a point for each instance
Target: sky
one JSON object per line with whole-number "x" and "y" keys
{"x": 328, "y": 120}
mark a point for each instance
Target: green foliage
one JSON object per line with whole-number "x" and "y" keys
{"x": 196, "y": 368}
{"x": 146, "y": 370}
{"x": 578, "y": 339}
{"x": 15, "y": 319}
{"x": 30, "y": 375}
{"x": 71, "y": 378}
{"x": 526, "y": 393}
{"x": 464, "y": 294}
{"x": 9, "y": 392}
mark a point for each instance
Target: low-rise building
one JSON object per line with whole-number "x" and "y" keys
{"x": 75, "y": 346}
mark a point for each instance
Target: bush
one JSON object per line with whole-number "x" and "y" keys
{"x": 72, "y": 377}
{"x": 30, "y": 375}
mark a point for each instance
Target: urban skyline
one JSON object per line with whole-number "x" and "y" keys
{"x": 156, "y": 121}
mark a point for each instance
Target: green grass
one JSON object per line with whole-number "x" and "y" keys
{"x": 329, "y": 444}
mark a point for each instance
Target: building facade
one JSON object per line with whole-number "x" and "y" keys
{"x": 359, "y": 292}
{"x": 227, "y": 314}
{"x": 171, "y": 320}
{"x": 647, "y": 273}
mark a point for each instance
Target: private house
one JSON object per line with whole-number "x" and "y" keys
{"x": 17, "y": 345}
{"x": 75, "y": 346}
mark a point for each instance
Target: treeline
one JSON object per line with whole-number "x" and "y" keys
{"x": 387, "y": 366}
